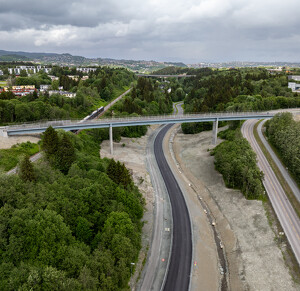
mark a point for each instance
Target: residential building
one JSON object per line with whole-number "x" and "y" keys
{"x": 73, "y": 77}
{"x": 29, "y": 69}
{"x": 44, "y": 88}
{"x": 20, "y": 90}
{"x": 53, "y": 78}
{"x": 294, "y": 77}
{"x": 86, "y": 70}
{"x": 63, "y": 93}
{"x": 294, "y": 86}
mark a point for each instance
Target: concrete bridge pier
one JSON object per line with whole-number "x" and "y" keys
{"x": 111, "y": 140}
{"x": 215, "y": 131}
{"x": 3, "y": 132}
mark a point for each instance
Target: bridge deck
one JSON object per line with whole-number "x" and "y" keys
{"x": 27, "y": 128}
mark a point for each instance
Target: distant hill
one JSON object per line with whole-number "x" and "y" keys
{"x": 12, "y": 58}
{"x": 68, "y": 59}
{"x": 172, "y": 70}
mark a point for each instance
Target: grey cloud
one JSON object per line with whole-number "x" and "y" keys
{"x": 154, "y": 29}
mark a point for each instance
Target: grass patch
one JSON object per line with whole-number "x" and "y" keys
{"x": 3, "y": 83}
{"x": 295, "y": 203}
{"x": 9, "y": 158}
{"x": 118, "y": 92}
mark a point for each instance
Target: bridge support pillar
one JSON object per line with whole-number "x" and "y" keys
{"x": 215, "y": 132}
{"x": 3, "y": 132}
{"x": 111, "y": 140}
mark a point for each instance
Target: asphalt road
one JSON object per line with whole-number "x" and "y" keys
{"x": 155, "y": 269}
{"x": 178, "y": 107}
{"x": 178, "y": 276}
{"x": 282, "y": 207}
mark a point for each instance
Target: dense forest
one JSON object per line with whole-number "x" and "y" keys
{"x": 66, "y": 222}
{"x": 103, "y": 85}
{"x": 284, "y": 134}
{"x": 148, "y": 97}
{"x": 247, "y": 89}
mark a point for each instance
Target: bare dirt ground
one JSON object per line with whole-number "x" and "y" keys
{"x": 255, "y": 262}
{"x": 8, "y": 142}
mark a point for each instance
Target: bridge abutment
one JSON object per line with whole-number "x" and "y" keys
{"x": 3, "y": 132}
{"x": 215, "y": 131}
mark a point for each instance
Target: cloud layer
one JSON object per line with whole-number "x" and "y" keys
{"x": 183, "y": 30}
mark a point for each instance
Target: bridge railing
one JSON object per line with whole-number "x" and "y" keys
{"x": 58, "y": 123}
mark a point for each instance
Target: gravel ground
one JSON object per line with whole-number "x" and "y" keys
{"x": 255, "y": 262}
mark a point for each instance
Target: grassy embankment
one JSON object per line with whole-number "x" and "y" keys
{"x": 9, "y": 158}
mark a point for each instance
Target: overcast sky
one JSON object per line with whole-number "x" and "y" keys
{"x": 191, "y": 31}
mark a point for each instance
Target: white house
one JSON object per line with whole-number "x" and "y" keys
{"x": 294, "y": 77}
{"x": 63, "y": 93}
{"x": 294, "y": 86}
{"x": 44, "y": 88}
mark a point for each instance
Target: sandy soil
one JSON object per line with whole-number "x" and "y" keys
{"x": 255, "y": 262}
{"x": 8, "y": 142}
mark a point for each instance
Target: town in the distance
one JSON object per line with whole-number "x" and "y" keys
{"x": 147, "y": 175}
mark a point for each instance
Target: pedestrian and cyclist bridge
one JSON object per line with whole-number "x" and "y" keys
{"x": 39, "y": 127}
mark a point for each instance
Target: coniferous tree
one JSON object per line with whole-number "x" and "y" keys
{"x": 50, "y": 142}
{"x": 118, "y": 173}
{"x": 125, "y": 178}
{"x": 65, "y": 156}
{"x": 112, "y": 171}
{"x": 26, "y": 171}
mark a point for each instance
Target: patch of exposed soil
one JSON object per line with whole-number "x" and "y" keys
{"x": 8, "y": 142}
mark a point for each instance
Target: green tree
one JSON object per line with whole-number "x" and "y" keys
{"x": 119, "y": 173}
{"x": 26, "y": 171}
{"x": 23, "y": 73}
{"x": 65, "y": 155}
{"x": 50, "y": 142}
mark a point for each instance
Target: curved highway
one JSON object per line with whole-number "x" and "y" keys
{"x": 178, "y": 276}
{"x": 282, "y": 207}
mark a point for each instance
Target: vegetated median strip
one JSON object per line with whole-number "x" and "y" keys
{"x": 295, "y": 203}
